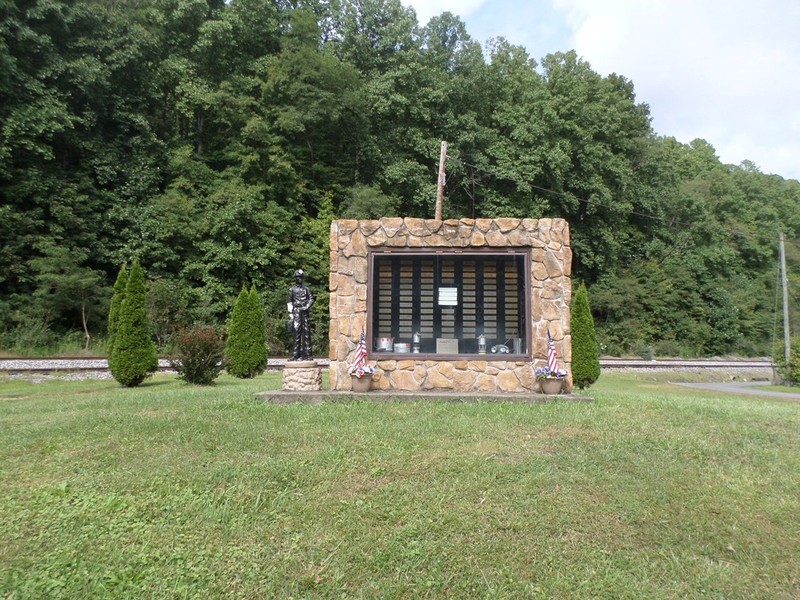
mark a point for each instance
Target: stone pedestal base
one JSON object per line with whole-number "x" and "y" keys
{"x": 302, "y": 376}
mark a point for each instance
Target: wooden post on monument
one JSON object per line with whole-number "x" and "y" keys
{"x": 440, "y": 186}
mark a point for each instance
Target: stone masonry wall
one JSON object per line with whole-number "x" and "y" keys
{"x": 551, "y": 291}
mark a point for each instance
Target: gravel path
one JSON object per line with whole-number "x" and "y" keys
{"x": 55, "y": 364}
{"x": 38, "y": 370}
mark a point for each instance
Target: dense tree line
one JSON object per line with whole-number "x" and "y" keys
{"x": 216, "y": 140}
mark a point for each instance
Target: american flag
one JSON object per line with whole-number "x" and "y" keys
{"x": 360, "y": 358}
{"x": 552, "y": 355}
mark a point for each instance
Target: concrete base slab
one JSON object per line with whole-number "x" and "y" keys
{"x": 292, "y": 397}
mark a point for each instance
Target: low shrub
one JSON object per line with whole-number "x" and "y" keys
{"x": 668, "y": 348}
{"x": 789, "y": 371}
{"x": 32, "y": 337}
{"x": 200, "y": 353}
{"x": 644, "y": 351}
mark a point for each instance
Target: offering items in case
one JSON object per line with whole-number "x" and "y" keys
{"x": 384, "y": 344}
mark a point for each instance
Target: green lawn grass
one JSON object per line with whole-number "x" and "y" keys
{"x": 788, "y": 389}
{"x": 172, "y": 491}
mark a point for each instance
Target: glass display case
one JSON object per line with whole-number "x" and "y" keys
{"x": 450, "y": 303}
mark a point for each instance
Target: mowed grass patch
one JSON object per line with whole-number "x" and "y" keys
{"x": 170, "y": 490}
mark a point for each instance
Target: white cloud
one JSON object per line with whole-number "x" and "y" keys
{"x": 727, "y": 71}
{"x": 426, "y": 9}
{"x": 722, "y": 70}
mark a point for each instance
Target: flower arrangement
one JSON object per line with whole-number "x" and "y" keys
{"x": 361, "y": 370}
{"x": 546, "y": 373}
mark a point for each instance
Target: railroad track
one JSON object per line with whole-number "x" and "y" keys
{"x": 66, "y": 365}
{"x": 700, "y": 363}
{"x": 76, "y": 365}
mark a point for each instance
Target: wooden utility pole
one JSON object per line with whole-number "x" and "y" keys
{"x": 784, "y": 285}
{"x": 440, "y": 186}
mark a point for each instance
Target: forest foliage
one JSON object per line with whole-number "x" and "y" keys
{"x": 217, "y": 140}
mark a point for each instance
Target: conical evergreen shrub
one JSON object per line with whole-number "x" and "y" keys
{"x": 133, "y": 355}
{"x": 585, "y": 351}
{"x": 246, "y": 347}
{"x": 114, "y": 310}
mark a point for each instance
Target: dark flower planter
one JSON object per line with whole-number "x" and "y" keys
{"x": 363, "y": 383}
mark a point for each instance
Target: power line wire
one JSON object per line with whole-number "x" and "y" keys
{"x": 569, "y": 195}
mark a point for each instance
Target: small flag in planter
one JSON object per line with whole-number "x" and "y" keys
{"x": 360, "y": 358}
{"x": 552, "y": 355}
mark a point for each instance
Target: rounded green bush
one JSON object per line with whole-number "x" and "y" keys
{"x": 789, "y": 371}
{"x": 200, "y": 354}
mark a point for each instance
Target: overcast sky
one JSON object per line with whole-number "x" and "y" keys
{"x": 726, "y": 71}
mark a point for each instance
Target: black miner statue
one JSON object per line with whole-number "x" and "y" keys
{"x": 300, "y": 301}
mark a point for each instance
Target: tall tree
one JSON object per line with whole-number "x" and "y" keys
{"x": 218, "y": 139}
{"x": 67, "y": 288}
